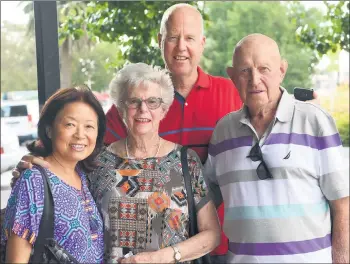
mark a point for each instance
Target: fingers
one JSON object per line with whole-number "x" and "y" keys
{"x": 23, "y": 165}
{"x": 29, "y": 160}
{"x": 15, "y": 173}
{"x": 40, "y": 161}
{"x": 13, "y": 181}
{"x": 316, "y": 99}
{"x": 131, "y": 259}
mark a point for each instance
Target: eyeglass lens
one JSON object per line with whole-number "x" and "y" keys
{"x": 255, "y": 154}
{"x": 151, "y": 102}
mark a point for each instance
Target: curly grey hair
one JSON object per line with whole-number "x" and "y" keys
{"x": 136, "y": 74}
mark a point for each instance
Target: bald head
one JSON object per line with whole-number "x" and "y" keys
{"x": 258, "y": 71}
{"x": 175, "y": 11}
{"x": 255, "y": 42}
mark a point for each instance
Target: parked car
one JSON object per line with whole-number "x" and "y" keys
{"x": 11, "y": 152}
{"x": 22, "y": 117}
{"x": 20, "y": 95}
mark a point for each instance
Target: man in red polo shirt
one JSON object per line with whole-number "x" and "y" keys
{"x": 200, "y": 99}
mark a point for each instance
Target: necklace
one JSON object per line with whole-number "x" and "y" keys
{"x": 57, "y": 160}
{"x": 127, "y": 148}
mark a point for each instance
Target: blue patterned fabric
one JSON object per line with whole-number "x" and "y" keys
{"x": 78, "y": 226}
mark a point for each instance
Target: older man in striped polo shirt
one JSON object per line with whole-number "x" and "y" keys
{"x": 277, "y": 165}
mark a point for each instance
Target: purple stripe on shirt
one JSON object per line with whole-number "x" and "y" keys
{"x": 232, "y": 143}
{"x": 286, "y": 248}
{"x": 304, "y": 140}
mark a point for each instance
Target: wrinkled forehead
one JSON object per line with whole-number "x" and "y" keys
{"x": 256, "y": 53}
{"x": 145, "y": 89}
{"x": 184, "y": 20}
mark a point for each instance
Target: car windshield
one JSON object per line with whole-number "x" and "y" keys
{"x": 14, "y": 110}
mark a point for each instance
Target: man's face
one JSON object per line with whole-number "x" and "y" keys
{"x": 257, "y": 73}
{"x": 183, "y": 43}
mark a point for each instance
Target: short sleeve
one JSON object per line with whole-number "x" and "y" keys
{"x": 199, "y": 186}
{"x": 334, "y": 168}
{"x": 25, "y": 207}
{"x": 210, "y": 177}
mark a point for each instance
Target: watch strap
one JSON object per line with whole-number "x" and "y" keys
{"x": 177, "y": 254}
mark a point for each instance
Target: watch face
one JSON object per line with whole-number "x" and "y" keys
{"x": 177, "y": 256}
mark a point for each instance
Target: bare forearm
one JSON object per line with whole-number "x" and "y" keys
{"x": 17, "y": 250}
{"x": 192, "y": 248}
{"x": 340, "y": 239}
{"x": 340, "y": 230}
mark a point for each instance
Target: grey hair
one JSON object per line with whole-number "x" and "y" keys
{"x": 169, "y": 12}
{"x": 136, "y": 74}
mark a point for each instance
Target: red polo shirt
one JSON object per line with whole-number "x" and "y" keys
{"x": 191, "y": 121}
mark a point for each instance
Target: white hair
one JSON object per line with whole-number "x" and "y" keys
{"x": 169, "y": 12}
{"x": 135, "y": 74}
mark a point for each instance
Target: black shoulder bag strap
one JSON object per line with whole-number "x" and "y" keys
{"x": 47, "y": 221}
{"x": 191, "y": 205}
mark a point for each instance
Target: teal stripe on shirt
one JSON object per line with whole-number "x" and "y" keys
{"x": 275, "y": 211}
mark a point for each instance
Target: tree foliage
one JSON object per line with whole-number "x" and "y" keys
{"x": 330, "y": 33}
{"x": 132, "y": 24}
{"x": 18, "y": 61}
{"x": 102, "y": 72}
{"x": 231, "y": 21}
{"x": 72, "y": 34}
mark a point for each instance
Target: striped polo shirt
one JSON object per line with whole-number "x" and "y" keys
{"x": 285, "y": 219}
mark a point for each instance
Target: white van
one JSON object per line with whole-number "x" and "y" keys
{"x": 22, "y": 117}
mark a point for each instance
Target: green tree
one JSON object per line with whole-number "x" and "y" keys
{"x": 105, "y": 57}
{"x": 331, "y": 33}
{"x": 231, "y": 21}
{"x": 18, "y": 61}
{"x": 133, "y": 24}
{"x": 71, "y": 32}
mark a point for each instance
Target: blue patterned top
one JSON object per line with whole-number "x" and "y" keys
{"x": 78, "y": 226}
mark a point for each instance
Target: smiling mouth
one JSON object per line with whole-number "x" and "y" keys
{"x": 180, "y": 58}
{"x": 256, "y": 91}
{"x": 142, "y": 120}
{"x": 78, "y": 147}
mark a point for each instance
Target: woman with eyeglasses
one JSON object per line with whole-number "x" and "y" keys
{"x": 139, "y": 185}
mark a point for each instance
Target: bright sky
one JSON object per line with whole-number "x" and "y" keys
{"x": 12, "y": 12}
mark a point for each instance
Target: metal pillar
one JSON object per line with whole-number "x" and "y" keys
{"x": 47, "y": 53}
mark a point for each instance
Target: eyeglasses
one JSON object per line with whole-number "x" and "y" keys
{"x": 262, "y": 170}
{"x": 151, "y": 102}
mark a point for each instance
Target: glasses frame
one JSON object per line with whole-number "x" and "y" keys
{"x": 128, "y": 105}
{"x": 255, "y": 154}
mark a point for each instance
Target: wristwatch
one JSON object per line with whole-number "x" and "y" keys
{"x": 177, "y": 254}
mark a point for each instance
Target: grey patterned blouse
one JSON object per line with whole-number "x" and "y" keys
{"x": 143, "y": 201}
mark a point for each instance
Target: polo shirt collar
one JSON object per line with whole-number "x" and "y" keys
{"x": 285, "y": 107}
{"x": 203, "y": 80}
{"x": 284, "y": 111}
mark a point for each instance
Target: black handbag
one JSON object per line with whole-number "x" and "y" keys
{"x": 192, "y": 212}
{"x": 46, "y": 249}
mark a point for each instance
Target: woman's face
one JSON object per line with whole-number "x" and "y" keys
{"x": 74, "y": 132}
{"x": 142, "y": 120}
